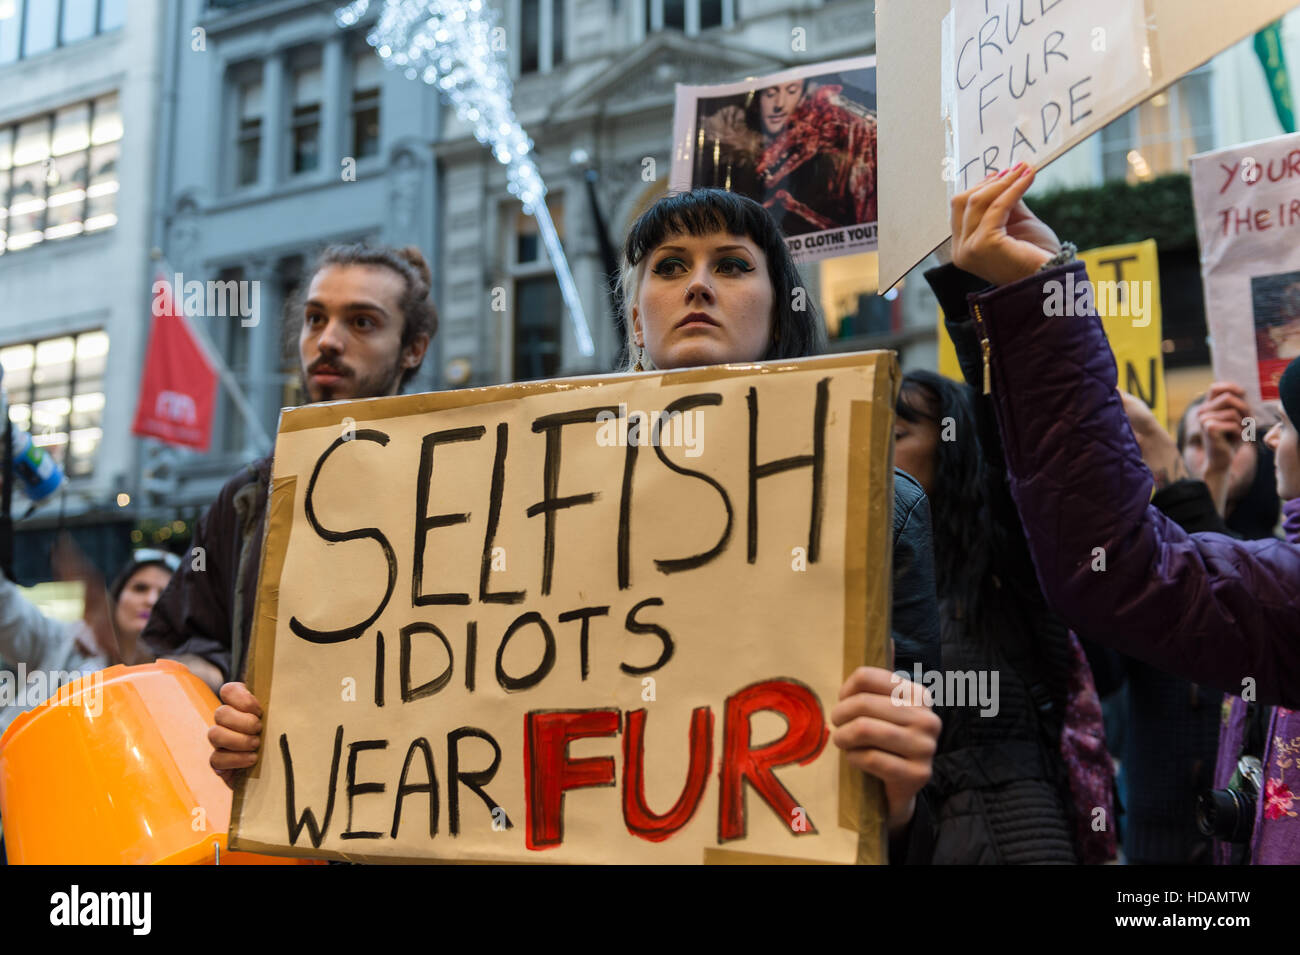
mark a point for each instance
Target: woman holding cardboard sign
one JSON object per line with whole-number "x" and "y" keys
{"x": 709, "y": 280}
{"x": 706, "y": 280}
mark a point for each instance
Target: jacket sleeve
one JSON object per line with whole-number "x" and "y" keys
{"x": 192, "y": 615}
{"x": 1206, "y": 607}
{"x": 27, "y": 636}
{"x": 1291, "y": 520}
{"x": 914, "y": 621}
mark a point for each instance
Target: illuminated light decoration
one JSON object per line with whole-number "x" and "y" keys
{"x": 447, "y": 44}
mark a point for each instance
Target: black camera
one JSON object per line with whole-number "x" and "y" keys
{"x": 1229, "y": 814}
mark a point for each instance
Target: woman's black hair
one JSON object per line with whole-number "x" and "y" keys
{"x": 965, "y": 533}
{"x": 797, "y": 329}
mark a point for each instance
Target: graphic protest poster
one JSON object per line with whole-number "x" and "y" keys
{"x": 802, "y": 142}
{"x": 1125, "y": 291}
{"x": 586, "y": 620}
{"x": 1027, "y": 78}
{"x": 1248, "y": 223}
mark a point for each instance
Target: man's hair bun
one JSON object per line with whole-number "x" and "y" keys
{"x": 413, "y": 255}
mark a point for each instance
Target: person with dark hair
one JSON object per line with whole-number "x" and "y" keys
{"x": 707, "y": 279}
{"x": 1205, "y": 606}
{"x": 1239, "y": 473}
{"x": 363, "y": 322}
{"x": 108, "y": 634}
{"x": 1019, "y": 782}
{"x": 708, "y": 221}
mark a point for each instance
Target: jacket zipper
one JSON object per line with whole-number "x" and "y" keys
{"x": 984, "y": 350}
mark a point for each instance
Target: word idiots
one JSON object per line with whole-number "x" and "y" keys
{"x": 553, "y": 503}
{"x": 550, "y": 772}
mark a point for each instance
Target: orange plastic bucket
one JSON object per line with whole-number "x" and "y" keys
{"x": 113, "y": 769}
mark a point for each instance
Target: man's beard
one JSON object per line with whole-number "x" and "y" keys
{"x": 351, "y": 385}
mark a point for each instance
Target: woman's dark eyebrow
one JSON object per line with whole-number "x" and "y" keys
{"x": 721, "y": 248}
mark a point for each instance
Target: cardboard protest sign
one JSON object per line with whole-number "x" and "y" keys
{"x": 802, "y": 142}
{"x": 1124, "y": 288}
{"x": 583, "y": 620}
{"x": 975, "y": 86}
{"x": 1247, "y": 202}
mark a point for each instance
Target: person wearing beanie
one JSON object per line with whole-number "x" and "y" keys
{"x": 40, "y": 652}
{"x": 134, "y": 591}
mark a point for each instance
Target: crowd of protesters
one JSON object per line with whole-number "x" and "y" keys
{"x": 1047, "y": 528}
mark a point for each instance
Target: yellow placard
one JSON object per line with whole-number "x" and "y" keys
{"x": 1125, "y": 290}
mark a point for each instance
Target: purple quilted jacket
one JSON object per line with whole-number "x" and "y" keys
{"x": 1276, "y": 836}
{"x": 1206, "y": 607}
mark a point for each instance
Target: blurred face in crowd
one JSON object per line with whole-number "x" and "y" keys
{"x": 138, "y": 597}
{"x": 776, "y": 103}
{"x": 916, "y": 445}
{"x": 350, "y": 343}
{"x": 704, "y": 300}
{"x": 1285, "y": 444}
{"x": 1241, "y": 473}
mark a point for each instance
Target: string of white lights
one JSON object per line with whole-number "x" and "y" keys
{"x": 449, "y": 44}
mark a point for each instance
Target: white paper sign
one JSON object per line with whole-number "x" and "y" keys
{"x": 1248, "y": 224}
{"x": 1022, "y": 77}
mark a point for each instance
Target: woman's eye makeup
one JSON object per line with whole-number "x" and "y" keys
{"x": 666, "y": 266}
{"x": 728, "y": 265}
{"x": 731, "y": 265}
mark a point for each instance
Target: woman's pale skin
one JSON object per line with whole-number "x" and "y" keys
{"x": 705, "y": 300}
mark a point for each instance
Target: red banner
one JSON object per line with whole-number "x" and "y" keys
{"x": 178, "y": 391}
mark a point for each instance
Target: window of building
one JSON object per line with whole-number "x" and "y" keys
{"x": 539, "y": 312}
{"x": 305, "y": 133}
{"x": 112, "y": 14}
{"x": 78, "y": 20}
{"x": 537, "y": 305}
{"x": 32, "y": 27}
{"x": 290, "y": 274}
{"x": 56, "y": 393}
{"x": 367, "y": 76}
{"x": 58, "y": 174}
{"x": 248, "y": 137}
{"x": 688, "y": 16}
{"x": 557, "y": 32}
{"x": 40, "y": 27}
{"x": 1160, "y": 135}
{"x": 234, "y": 346}
{"x": 10, "y": 30}
{"x": 542, "y": 25}
{"x": 105, "y": 148}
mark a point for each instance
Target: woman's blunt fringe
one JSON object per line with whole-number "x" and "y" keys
{"x": 797, "y": 330}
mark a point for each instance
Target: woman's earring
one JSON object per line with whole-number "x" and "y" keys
{"x": 640, "y": 354}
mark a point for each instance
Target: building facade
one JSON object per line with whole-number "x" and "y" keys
{"x": 285, "y": 134}
{"x": 79, "y": 99}
{"x": 594, "y": 85}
